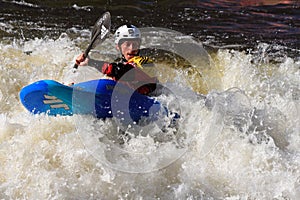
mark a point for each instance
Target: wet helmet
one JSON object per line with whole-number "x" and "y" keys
{"x": 126, "y": 32}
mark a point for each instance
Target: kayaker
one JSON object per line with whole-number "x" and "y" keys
{"x": 128, "y": 68}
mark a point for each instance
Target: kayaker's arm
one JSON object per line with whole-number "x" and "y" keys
{"x": 82, "y": 61}
{"x": 96, "y": 64}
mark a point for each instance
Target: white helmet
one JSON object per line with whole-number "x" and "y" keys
{"x": 127, "y": 32}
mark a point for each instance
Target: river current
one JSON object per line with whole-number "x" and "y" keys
{"x": 238, "y": 96}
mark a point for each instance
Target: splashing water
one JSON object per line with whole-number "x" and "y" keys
{"x": 241, "y": 141}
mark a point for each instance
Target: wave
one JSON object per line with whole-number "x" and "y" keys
{"x": 240, "y": 140}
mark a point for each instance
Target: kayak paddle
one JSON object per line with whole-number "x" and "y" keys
{"x": 99, "y": 34}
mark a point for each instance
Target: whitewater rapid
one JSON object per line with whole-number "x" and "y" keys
{"x": 241, "y": 142}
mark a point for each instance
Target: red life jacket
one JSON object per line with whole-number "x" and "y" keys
{"x": 132, "y": 75}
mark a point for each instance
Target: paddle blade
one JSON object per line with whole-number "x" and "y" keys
{"x": 101, "y": 29}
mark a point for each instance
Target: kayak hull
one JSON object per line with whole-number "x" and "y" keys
{"x": 102, "y": 98}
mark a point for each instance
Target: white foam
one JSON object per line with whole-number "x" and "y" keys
{"x": 233, "y": 150}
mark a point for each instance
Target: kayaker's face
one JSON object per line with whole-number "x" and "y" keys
{"x": 129, "y": 48}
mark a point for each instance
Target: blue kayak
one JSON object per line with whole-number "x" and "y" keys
{"x": 102, "y": 98}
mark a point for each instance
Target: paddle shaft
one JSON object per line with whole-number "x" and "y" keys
{"x": 86, "y": 52}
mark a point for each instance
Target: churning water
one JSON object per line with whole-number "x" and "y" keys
{"x": 238, "y": 136}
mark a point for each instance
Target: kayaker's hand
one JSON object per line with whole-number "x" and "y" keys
{"x": 81, "y": 60}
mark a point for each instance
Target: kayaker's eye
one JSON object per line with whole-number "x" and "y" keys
{"x": 132, "y": 44}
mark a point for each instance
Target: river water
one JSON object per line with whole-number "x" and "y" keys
{"x": 238, "y": 136}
